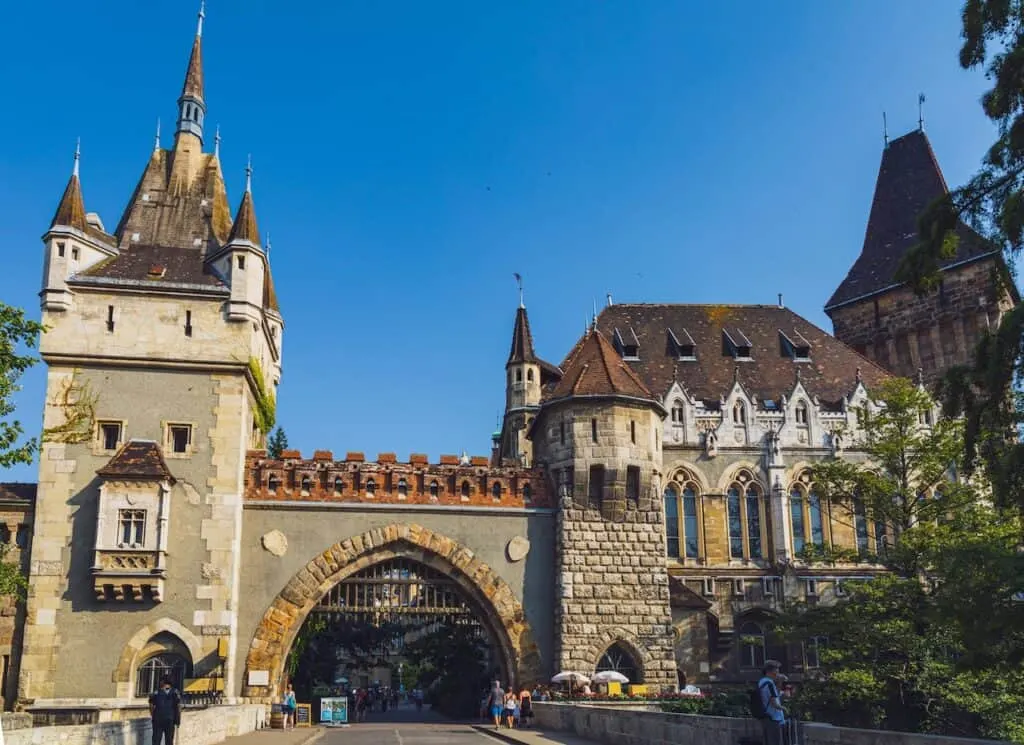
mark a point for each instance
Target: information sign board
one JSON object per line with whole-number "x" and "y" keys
{"x": 334, "y": 711}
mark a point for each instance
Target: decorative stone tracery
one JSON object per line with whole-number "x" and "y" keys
{"x": 501, "y": 612}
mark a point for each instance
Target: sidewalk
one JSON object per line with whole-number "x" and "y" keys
{"x": 532, "y": 736}
{"x": 298, "y": 736}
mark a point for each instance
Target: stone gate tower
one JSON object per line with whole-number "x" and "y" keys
{"x": 163, "y": 351}
{"x": 599, "y": 433}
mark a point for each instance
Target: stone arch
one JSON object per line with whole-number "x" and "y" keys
{"x": 685, "y": 465}
{"x": 124, "y": 672}
{"x": 729, "y": 475}
{"x": 608, "y": 637}
{"x": 501, "y": 613}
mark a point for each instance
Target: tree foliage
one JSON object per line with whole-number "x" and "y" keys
{"x": 277, "y": 444}
{"x": 937, "y": 644}
{"x": 993, "y": 203}
{"x": 17, "y": 334}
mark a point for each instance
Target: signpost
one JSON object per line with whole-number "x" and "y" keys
{"x": 334, "y": 711}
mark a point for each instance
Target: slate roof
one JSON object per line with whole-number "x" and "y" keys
{"x": 71, "y": 209}
{"x": 244, "y": 227}
{"x": 594, "y": 368}
{"x": 830, "y": 373}
{"x": 909, "y": 179}
{"x": 170, "y": 265}
{"x": 194, "y": 72}
{"x": 137, "y": 460}
{"x": 522, "y": 340}
{"x": 19, "y": 492}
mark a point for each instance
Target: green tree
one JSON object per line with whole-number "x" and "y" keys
{"x": 277, "y": 444}
{"x": 17, "y": 334}
{"x": 987, "y": 391}
{"x": 937, "y": 644}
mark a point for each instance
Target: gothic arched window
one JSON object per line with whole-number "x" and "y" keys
{"x": 801, "y": 413}
{"x": 682, "y": 498}
{"x": 739, "y": 413}
{"x": 464, "y": 490}
{"x": 339, "y": 485}
{"x": 752, "y": 646}
{"x": 152, "y": 671}
{"x": 805, "y": 516}
{"x": 677, "y": 412}
{"x": 371, "y": 487}
{"x": 745, "y": 506}
{"x": 529, "y": 375}
{"x": 433, "y": 490}
{"x": 403, "y": 488}
{"x": 620, "y": 659}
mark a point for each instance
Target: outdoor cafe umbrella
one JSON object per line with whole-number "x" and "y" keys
{"x": 610, "y": 676}
{"x": 566, "y": 677}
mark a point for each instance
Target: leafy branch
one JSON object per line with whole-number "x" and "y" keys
{"x": 78, "y": 402}
{"x": 265, "y": 405}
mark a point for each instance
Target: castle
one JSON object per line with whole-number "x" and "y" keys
{"x": 643, "y": 506}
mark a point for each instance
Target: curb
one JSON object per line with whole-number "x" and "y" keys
{"x": 498, "y": 734}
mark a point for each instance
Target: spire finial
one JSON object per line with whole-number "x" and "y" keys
{"x": 595, "y": 312}
{"x": 78, "y": 155}
{"x": 920, "y": 112}
{"x": 268, "y": 245}
{"x": 248, "y": 175}
{"x": 519, "y": 281}
{"x": 202, "y": 15}
{"x": 156, "y": 140}
{"x": 216, "y": 143}
{"x": 885, "y": 130}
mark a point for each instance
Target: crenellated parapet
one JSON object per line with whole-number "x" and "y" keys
{"x": 453, "y": 480}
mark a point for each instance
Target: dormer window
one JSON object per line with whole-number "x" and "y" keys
{"x": 627, "y": 344}
{"x": 681, "y": 345}
{"x": 796, "y": 347}
{"x": 736, "y": 344}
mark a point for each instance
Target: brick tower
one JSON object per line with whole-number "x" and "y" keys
{"x": 885, "y": 320}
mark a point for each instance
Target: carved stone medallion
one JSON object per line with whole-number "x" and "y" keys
{"x": 517, "y": 548}
{"x": 275, "y": 542}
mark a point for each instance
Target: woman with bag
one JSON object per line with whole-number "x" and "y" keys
{"x": 288, "y": 707}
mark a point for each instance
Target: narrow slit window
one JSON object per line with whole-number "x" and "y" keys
{"x": 633, "y": 484}
{"x": 241, "y": 263}
{"x": 188, "y": 323}
{"x": 60, "y": 249}
{"x": 595, "y": 491}
{"x": 593, "y": 430}
{"x": 110, "y": 318}
{"x": 632, "y": 432}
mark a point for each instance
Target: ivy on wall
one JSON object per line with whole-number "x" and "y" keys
{"x": 78, "y": 402}
{"x": 265, "y": 406}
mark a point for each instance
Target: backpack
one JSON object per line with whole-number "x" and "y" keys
{"x": 756, "y": 705}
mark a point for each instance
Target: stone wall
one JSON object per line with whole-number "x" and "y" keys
{"x": 204, "y": 727}
{"x": 281, "y": 539}
{"x": 613, "y": 726}
{"x": 612, "y": 583}
{"x": 903, "y": 331}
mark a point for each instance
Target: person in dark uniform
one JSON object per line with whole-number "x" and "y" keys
{"x": 165, "y": 710}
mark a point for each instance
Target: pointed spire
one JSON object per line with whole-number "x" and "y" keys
{"x": 244, "y": 227}
{"x": 156, "y": 140}
{"x": 522, "y": 339}
{"x": 71, "y": 209}
{"x": 191, "y": 105}
{"x": 216, "y": 143}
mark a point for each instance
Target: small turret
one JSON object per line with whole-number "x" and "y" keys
{"x": 74, "y": 242}
{"x": 522, "y": 392}
{"x": 246, "y": 261}
{"x": 191, "y": 106}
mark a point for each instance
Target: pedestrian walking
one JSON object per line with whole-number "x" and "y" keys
{"x": 766, "y": 704}
{"x": 165, "y": 711}
{"x": 288, "y": 707}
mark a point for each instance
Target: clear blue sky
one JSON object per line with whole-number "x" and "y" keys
{"x": 410, "y": 156}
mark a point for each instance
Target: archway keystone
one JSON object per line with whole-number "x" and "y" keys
{"x": 502, "y": 614}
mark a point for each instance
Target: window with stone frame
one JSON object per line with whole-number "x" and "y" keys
{"x": 682, "y": 522}
{"x": 109, "y": 434}
{"x": 633, "y": 484}
{"x": 153, "y": 670}
{"x": 131, "y": 528}
{"x": 677, "y": 412}
{"x": 746, "y": 517}
{"x": 179, "y": 438}
{"x": 752, "y": 646}
{"x": 595, "y": 487}
{"x": 739, "y": 413}
{"x": 403, "y": 488}
{"x": 860, "y": 524}
{"x": 806, "y": 517}
{"x": 801, "y": 413}
{"x": 434, "y": 489}
{"x": 812, "y": 651}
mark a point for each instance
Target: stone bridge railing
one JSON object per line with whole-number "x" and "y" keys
{"x": 452, "y": 481}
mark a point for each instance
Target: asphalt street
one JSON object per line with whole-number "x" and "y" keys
{"x": 405, "y": 734}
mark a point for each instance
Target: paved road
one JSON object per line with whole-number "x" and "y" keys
{"x": 406, "y": 734}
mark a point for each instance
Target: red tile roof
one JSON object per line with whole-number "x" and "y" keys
{"x": 139, "y": 460}
{"x": 594, "y": 368}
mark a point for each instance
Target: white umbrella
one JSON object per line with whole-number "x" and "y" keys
{"x": 610, "y": 676}
{"x": 570, "y": 678}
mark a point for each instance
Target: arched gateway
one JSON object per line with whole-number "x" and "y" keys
{"x": 501, "y": 613}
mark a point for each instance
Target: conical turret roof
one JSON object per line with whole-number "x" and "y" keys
{"x": 522, "y": 340}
